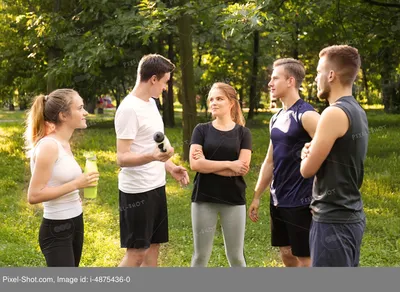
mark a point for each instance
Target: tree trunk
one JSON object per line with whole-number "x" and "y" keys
{"x": 52, "y": 55}
{"x": 188, "y": 94}
{"x": 91, "y": 105}
{"x": 254, "y": 73}
{"x": 160, "y": 50}
{"x": 241, "y": 97}
{"x": 11, "y": 106}
{"x": 365, "y": 84}
{"x": 295, "y": 41}
{"x": 23, "y": 104}
{"x": 118, "y": 95}
{"x": 51, "y": 81}
{"x": 168, "y": 102}
{"x": 386, "y": 74}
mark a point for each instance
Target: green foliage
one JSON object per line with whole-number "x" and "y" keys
{"x": 19, "y": 221}
{"x": 97, "y": 46}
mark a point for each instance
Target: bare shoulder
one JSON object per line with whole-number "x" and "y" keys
{"x": 334, "y": 112}
{"x": 48, "y": 148}
{"x": 334, "y": 120}
{"x": 310, "y": 115}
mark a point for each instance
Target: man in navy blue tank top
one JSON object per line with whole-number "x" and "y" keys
{"x": 336, "y": 157}
{"x": 290, "y": 128}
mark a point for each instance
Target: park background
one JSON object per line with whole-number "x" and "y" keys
{"x": 94, "y": 47}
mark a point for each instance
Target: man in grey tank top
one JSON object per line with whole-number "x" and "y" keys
{"x": 336, "y": 157}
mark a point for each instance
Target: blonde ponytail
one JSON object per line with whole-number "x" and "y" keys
{"x": 35, "y": 124}
{"x": 44, "y": 114}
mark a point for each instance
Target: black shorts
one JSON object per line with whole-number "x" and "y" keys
{"x": 143, "y": 218}
{"x": 291, "y": 227}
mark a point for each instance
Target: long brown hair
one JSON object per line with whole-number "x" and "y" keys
{"x": 231, "y": 94}
{"x": 45, "y": 110}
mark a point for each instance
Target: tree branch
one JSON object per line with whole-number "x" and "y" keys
{"x": 376, "y": 3}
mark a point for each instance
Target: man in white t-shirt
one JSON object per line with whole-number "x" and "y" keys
{"x": 141, "y": 181}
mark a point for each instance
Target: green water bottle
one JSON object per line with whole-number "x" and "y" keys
{"x": 91, "y": 165}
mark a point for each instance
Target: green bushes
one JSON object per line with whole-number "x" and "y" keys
{"x": 19, "y": 221}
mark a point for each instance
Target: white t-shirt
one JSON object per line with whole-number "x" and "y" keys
{"x": 138, "y": 120}
{"x": 65, "y": 169}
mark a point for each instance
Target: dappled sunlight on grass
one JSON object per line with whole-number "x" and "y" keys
{"x": 11, "y": 148}
{"x": 12, "y": 115}
{"x": 11, "y": 141}
{"x": 107, "y": 157}
{"x": 376, "y": 211}
{"x": 103, "y": 157}
{"x": 174, "y": 189}
{"x": 373, "y": 106}
{"x": 19, "y": 221}
{"x": 273, "y": 264}
{"x": 265, "y": 122}
{"x": 100, "y": 235}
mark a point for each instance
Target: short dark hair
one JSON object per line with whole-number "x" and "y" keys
{"x": 345, "y": 60}
{"x": 294, "y": 68}
{"x": 154, "y": 64}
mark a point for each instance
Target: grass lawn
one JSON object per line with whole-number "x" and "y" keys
{"x": 19, "y": 221}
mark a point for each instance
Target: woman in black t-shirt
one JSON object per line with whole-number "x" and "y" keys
{"x": 220, "y": 152}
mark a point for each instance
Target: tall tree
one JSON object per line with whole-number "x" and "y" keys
{"x": 254, "y": 75}
{"x": 168, "y": 103}
{"x": 186, "y": 63}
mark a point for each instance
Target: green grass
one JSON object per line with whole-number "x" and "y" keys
{"x": 19, "y": 221}
{"x": 11, "y": 115}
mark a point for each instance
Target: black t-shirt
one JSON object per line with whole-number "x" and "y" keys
{"x": 221, "y": 146}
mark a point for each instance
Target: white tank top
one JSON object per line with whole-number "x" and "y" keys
{"x": 65, "y": 169}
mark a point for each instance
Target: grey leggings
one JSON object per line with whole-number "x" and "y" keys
{"x": 233, "y": 223}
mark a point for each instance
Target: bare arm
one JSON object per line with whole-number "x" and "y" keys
{"x": 126, "y": 158}
{"x": 245, "y": 155}
{"x": 264, "y": 180}
{"x": 266, "y": 173}
{"x": 38, "y": 191}
{"x": 178, "y": 172}
{"x": 333, "y": 124}
{"x": 205, "y": 165}
{"x": 169, "y": 165}
{"x": 310, "y": 121}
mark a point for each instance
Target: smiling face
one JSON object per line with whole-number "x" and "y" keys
{"x": 279, "y": 83}
{"x": 76, "y": 118}
{"x": 220, "y": 105}
{"x": 158, "y": 86}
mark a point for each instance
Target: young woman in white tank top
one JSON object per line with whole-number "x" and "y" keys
{"x": 56, "y": 176}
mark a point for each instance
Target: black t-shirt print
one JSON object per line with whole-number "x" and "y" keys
{"x": 220, "y": 146}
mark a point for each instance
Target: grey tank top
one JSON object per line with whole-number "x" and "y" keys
{"x": 336, "y": 189}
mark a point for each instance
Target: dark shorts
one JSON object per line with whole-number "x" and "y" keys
{"x": 336, "y": 244}
{"x": 143, "y": 218}
{"x": 291, "y": 227}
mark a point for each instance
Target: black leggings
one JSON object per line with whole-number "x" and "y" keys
{"x": 61, "y": 241}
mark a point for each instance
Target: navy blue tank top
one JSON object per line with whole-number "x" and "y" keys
{"x": 288, "y": 187}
